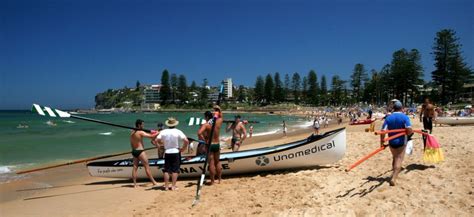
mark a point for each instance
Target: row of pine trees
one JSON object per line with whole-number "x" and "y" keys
{"x": 402, "y": 79}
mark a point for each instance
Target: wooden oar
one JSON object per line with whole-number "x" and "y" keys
{"x": 76, "y": 162}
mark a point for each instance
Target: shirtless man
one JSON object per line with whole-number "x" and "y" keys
{"x": 215, "y": 168}
{"x": 427, "y": 115}
{"x": 136, "y": 141}
{"x": 203, "y": 134}
{"x": 239, "y": 133}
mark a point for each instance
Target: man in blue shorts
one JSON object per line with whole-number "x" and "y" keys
{"x": 396, "y": 120}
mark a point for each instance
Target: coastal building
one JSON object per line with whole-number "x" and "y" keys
{"x": 213, "y": 96}
{"x": 152, "y": 93}
{"x": 228, "y": 88}
{"x": 151, "y": 97}
{"x": 468, "y": 91}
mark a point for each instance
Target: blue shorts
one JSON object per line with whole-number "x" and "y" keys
{"x": 396, "y": 145}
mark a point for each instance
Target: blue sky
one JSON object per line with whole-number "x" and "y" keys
{"x": 61, "y": 53}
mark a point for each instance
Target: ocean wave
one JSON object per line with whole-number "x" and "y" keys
{"x": 7, "y": 172}
{"x": 305, "y": 124}
{"x": 265, "y": 133}
{"x": 106, "y": 134}
{"x": 6, "y": 169}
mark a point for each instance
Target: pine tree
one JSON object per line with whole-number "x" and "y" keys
{"x": 269, "y": 86}
{"x": 203, "y": 96}
{"x": 324, "y": 90}
{"x": 165, "y": 91}
{"x": 193, "y": 86}
{"x": 182, "y": 89}
{"x": 313, "y": 91}
{"x": 406, "y": 65}
{"x": 241, "y": 94}
{"x": 337, "y": 91}
{"x": 296, "y": 86}
{"x": 174, "y": 86}
{"x": 279, "y": 92}
{"x": 137, "y": 85}
{"x": 358, "y": 79}
{"x": 304, "y": 91}
{"x": 451, "y": 71}
{"x": 259, "y": 92}
{"x": 287, "y": 83}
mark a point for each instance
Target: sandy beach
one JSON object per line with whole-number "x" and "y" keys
{"x": 444, "y": 189}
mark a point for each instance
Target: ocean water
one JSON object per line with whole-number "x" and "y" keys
{"x": 73, "y": 139}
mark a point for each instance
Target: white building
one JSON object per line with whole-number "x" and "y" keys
{"x": 227, "y": 88}
{"x": 152, "y": 93}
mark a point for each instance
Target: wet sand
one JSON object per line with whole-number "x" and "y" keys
{"x": 422, "y": 190}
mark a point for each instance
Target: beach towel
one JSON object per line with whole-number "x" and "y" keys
{"x": 433, "y": 152}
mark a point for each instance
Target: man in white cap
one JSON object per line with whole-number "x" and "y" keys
{"x": 170, "y": 139}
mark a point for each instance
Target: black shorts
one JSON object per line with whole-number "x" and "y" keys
{"x": 428, "y": 123}
{"x": 172, "y": 163}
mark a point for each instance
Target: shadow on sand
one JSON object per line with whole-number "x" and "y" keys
{"x": 367, "y": 187}
{"x": 421, "y": 167}
{"x": 194, "y": 181}
{"x": 373, "y": 183}
{"x": 127, "y": 183}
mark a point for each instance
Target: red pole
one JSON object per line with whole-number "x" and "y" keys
{"x": 365, "y": 158}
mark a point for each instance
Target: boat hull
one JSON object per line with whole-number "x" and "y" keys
{"x": 316, "y": 150}
{"x": 455, "y": 120}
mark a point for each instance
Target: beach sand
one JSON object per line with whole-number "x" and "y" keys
{"x": 444, "y": 189}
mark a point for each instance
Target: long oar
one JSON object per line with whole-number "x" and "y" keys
{"x": 44, "y": 111}
{"x": 209, "y": 141}
{"x": 76, "y": 162}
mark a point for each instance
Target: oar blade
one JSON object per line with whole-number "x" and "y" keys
{"x": 38, "y": 109}
{"x": 47, "y": 111}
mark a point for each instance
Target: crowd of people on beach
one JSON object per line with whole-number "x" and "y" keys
{"x": 394, "y": 116}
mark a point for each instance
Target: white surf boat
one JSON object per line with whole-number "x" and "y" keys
{"x": 455, "y": 120}
{"x": 315, "y": 150}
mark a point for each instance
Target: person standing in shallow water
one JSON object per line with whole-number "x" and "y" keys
{"x": 136, "y": 141}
